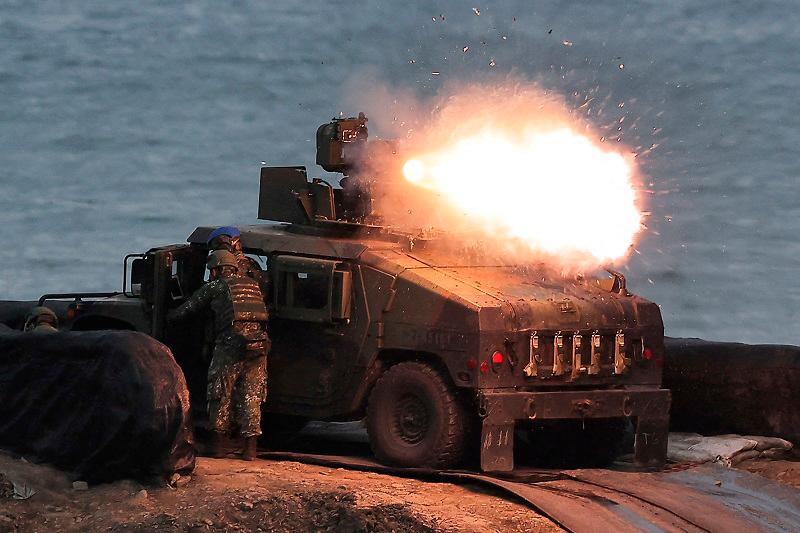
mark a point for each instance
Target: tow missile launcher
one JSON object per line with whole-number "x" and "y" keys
{"x": 441, "y": 348}
{"x": 341, "y": 142}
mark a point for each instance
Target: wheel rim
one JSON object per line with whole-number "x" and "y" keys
{"x": 411, "y": 419}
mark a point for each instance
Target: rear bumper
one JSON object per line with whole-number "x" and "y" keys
{"x": 501, "y": 409}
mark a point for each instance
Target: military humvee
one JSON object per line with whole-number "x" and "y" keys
{"x": 442, "y": 350}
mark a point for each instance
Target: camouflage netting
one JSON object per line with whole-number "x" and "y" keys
{"x": 105, "y": 404}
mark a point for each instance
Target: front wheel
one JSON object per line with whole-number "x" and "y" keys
{"x": 415, "y": 418}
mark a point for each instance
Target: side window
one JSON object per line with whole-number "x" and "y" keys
{"x": 311, "y": 289}
{"x": 261, "y": 261}
{"x": 308, "y": 290}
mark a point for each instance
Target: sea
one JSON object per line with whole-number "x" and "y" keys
{"x": 123, "y": 125}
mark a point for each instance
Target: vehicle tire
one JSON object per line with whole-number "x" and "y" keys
{"x": 416, "y": 419}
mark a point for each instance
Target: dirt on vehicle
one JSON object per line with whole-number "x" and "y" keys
{"x": 231, "y": 495}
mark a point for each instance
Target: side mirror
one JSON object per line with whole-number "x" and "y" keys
{"x": 137, "y": 276}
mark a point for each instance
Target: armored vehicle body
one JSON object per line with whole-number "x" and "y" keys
{"x": 443, "y": 350}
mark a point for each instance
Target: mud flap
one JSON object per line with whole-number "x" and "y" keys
{"x": 499, "y": 411}
{"x": 650, "y": 443}
{"x": 497, "y": 447}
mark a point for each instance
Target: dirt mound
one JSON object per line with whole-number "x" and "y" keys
{"x": 311, "y": 511}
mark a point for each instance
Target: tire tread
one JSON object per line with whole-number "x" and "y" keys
{"x": 451, "y": 447}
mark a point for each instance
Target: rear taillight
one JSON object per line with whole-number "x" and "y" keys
{"x": 497, "y": 358}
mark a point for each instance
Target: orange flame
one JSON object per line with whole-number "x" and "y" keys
{"x": 521, "y": 169}
{"x": 555, "y": 191}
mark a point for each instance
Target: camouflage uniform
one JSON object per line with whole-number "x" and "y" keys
{"x": 247, "y": 266}
{"x": 237, "y": 376}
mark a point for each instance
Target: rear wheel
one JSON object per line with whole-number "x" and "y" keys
{"x": 415, "y": 418}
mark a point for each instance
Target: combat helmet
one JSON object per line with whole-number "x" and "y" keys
{"x": 221, "y": 258}
{"x": 224, "y": 238}
{"x": 40, "y": 314}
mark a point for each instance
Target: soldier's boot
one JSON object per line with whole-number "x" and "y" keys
{"x": 216, "y": 446}
{"x": 249, "y": 450}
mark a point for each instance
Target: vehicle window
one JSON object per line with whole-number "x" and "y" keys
{"x": 308, "y": 290}
{"x": 302, "y": 289}
{"x": 260, "y": 260}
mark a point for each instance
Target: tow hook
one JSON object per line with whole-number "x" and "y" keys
{"x": 530, "y": 408}
{"x": 583, "y": 407}
{"x": 483, "y": 407}
{"x": 627, "y": 406}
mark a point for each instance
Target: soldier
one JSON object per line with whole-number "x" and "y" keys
{"x": 229, "y": 238}
{"x": 41, "y": 320}
{"x": 237, "y": 375}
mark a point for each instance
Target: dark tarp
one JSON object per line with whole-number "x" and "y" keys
{"x": 727, "y": 387}
{"x": 104, "y": 404}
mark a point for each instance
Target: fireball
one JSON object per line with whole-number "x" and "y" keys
{"x": 554, "y": 191}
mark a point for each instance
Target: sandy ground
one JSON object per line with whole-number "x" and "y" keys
{"x": 231, "y": 495}
{"x": 783, "y": 471}
{"x": 264, "y": 495}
